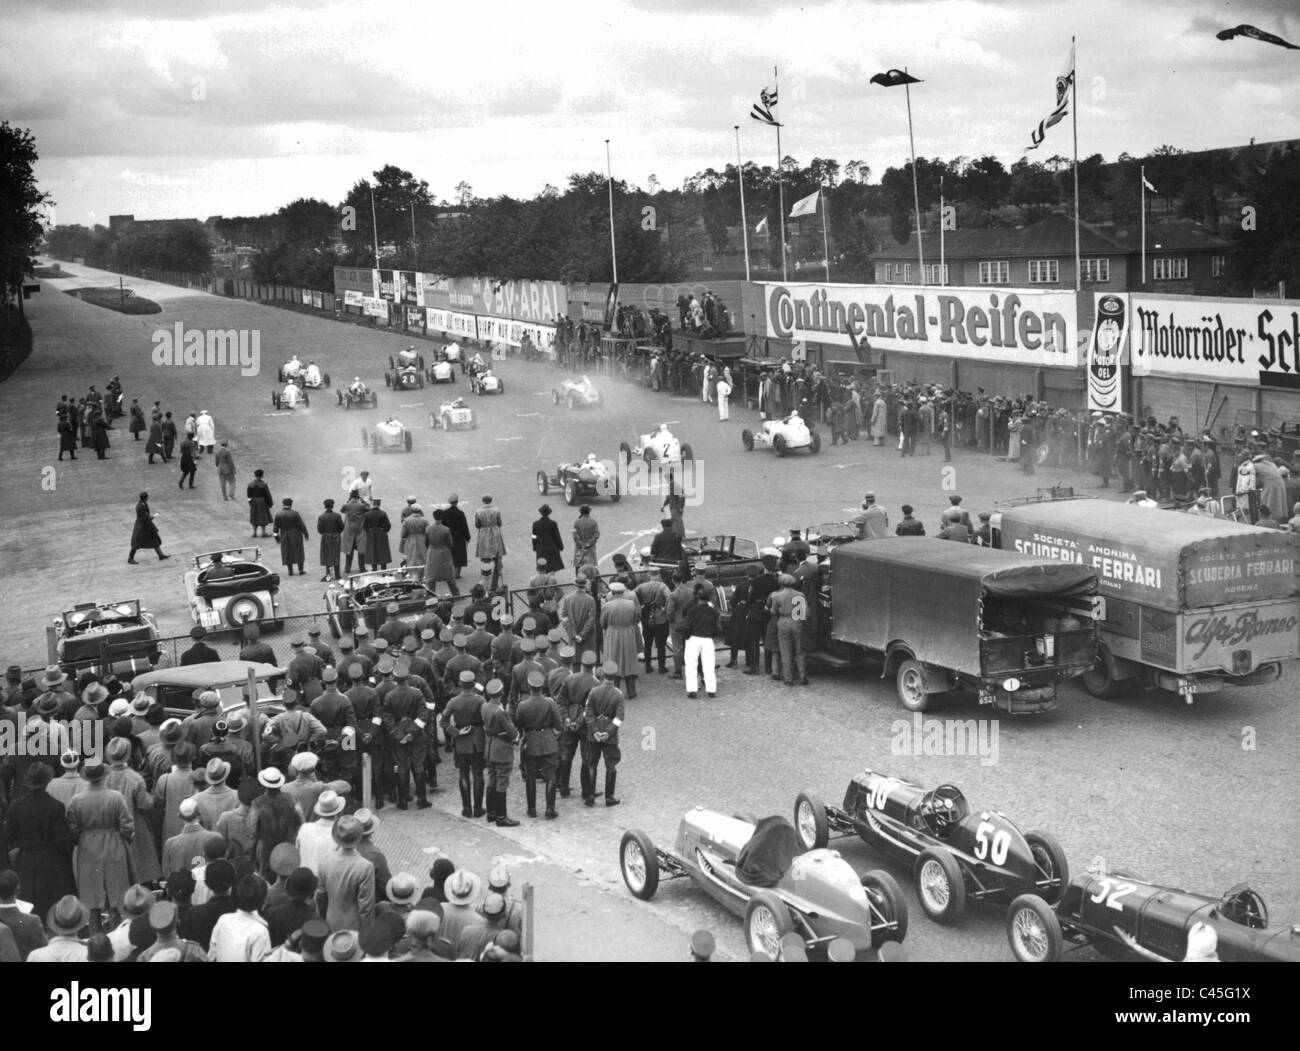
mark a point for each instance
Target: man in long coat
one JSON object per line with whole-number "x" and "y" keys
{"x": 145, "y": 533}
{"x": 620, "y": 624}
{"x": 354, "y": 511}
{"x": 454, "y": 519}
{"x": 329, "y": 527}
{"x": 291, "y": 531}
{"x": 39, "y": 830}
{"x": 101, "y": 824}
{"x": 585, "y": 535}
{"x": 260, "y": 503}
{"x": 130, "y": 784}
{"x": 347, "y": 880}
{"x": 412, "y": 543}
{"x": 376, "y": 526}
{"x": 491, "y": 545}
{"x": 205, "y": 432}
{"x": 438, "y": 562}
{"x": 579, "y": 618}
{"x": 154, "y": 446}
{"x": 879, "y": 420}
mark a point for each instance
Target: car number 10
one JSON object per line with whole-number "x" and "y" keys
{"x": 996, "y": 848}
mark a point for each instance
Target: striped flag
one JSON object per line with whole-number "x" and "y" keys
{"x": 805, "y": 206}
{"x": 762, "y": 109}
{"x": 762, "y": 225}
{"x": 1062, "y": 108}
{"x": 1147, "y": 183}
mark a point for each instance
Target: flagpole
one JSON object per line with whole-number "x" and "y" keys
{"x": 825, "y": 244}
{"x": 1143, "y": 176}
{"x": 1074, "y": 115}
{"x": 613, "y": 251}
{"x": 374, "y": 225}
{"x": 942, "y": 279}
{"x": 744, "y": 223}
{"x": 916, "y": 193}
{"x": 780, "y": 182}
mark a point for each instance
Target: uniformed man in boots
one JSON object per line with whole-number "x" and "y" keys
{"x": 394, "y": 629}
{"x": 501, "y": 740}
{"x": 502, "y": 650}
{"x": 334, "y": 710}
{"x": 538, "y": 719}
{"x": 459, "y": 663}
{"x": 479, "y": 642}
{"x": 602, "y": 717}
{"x": 370, "y": 740}
{"x": 555, "y": 678}
{"x": 527, "y": 662}
{"x": 404, "y": 715}
{"x": 462, "y": 722}
{"x": 572, "y": 699}
{"x": 429, "y": 619}
{"x": 430, "y": 694}
{"x": 321, "y": 647}
{"x": 542, "y": 645}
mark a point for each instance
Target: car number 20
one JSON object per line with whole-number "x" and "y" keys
{"x": 994, "y": 847}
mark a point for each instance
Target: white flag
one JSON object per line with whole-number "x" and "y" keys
{"x": 807, "y": 206}
{"x": 762, "y": 225}
{"x": 1147, "y": 184}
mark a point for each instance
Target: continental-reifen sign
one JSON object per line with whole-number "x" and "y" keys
{"x": 1005, "y": 325}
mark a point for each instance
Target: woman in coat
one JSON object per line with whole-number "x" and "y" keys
{"x": 491, "y": 545}
{"x": 438, "y": 563}
{"x": 291, "y": 531}
{"x": 99, "y": 435}
{"x": 620, "y": 626}
{"x": 260, "y": 503}
{"x": 412, "y": 543}
{"x": 547, "y": 542}
{"x": 377, "y": 526}
{"x": 38, "y": 829}
{"x": 121, "y": 778}
{"x": 67, "y": 438}
{"x": 102, "y": 826}
{"x": 137, "y": 426}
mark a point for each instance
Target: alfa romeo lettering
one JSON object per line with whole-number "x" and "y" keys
{"x": 1247, "y": 627}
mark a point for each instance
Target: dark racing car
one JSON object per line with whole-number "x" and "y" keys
{"x": 955, "y": 852}
{"x": 368, "y": 595}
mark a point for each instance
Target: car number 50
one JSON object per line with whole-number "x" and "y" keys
{"x": 994, "y": 848}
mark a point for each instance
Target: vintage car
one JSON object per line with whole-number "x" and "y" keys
{"x": 725, "y": 559}
{"x": 408, "y": 358}
{"x": 291, "y": 396}
{"x": 357, "y": 393}
{"x": 251, "y": 592}
{"x": 757, "y": 870}
{"x": 367, "y": 595}
{"x": 391, "y": 434}
{"x": 954, "y": 853}
{"x": 659, "y": 446}
{"x": 784, "y": 435}
{"x": 486, "y": 382}
{"x": 453, "y": 415}
{"x": 827, "y": 536}
{"x": 176, "y": 689}
{"x": 308, "y": 376}
{"x": 582, "y": 481}
{"x": 576, "y": 393}
{"x": 452, "y": 353}
{"x": 1096, "y": 907}
{"x": 407, "y": 377}
{"x": 107, "y": 637}
{"x": 441, "y": 372}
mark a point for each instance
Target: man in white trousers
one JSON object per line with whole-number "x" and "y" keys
{"x": 703, "y": 623}
{"x": 724, "y": 393}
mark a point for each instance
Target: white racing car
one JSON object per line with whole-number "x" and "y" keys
{"x": 308, "y": 376}
{"x": 451, "y": 352}
{"x": 486, "y": 383}
{"x": 291, "y": 397}
{"x": 391, "y": 434}
{"x": 659, "y": 446}
{"x": 441, "y": 372}
{"x": 575, "y": 393}
{"x": 453, "y": 415}
{"x": 784, "y": 436}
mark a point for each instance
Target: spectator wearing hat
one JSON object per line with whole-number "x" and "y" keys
{"x": 64, "y": 921}
{"x": 284, "y": 862}
{"x": 346, "y": 895}
{"x": 434, "y": 896}
{"x": 311, "y": 941}
{"x": 343, "y": 947}
{"x": 375, "y": 526}
{"x": 462, "y": 723}
{"x": 329, "y": 527}
{"x": 316, "y": 837}
{"x": 254, "y": 648}
{"x": 276, "y": 818}
{"x": 241, "y": 936}
{"x": 499, "y": 883}
{"x": 297, "y": 907}
{"x": 462, "y": 661}
{"x": 121, "y": 778}
{"x": 983, "y": 535}
{"x": 180, "y": 850}
{"x": 586, "y": 534}
{"x": 171, "y": 787}
{"x": 197, "y": 728}
{"x": 399, "y": 895}
{"x": 405, "y": 716}
{"x": 202, "y": 919}
{"x": 28, "y": 934}
{"x": 909, "y": 526}
{"x": 501, "y": 737}
{"x": 291, "y": 533}
{"x": 602, "y": 716}
{"x": 490, "y": 547}
{"x": 260, "y": 502}
{"x": 788, "y": 609}
{"x": 538, "y": 720}
{"x": 135, "y": 906}
{"x": 200, "y": 652}
{"x": 578, "y": 617}
{"x": 102, "y": 826}
{"x": 237, "y": 829}
{"x": 439, "y": 565}
{"x": 38, "y": 830}
{"x": 92, "y": 707}
{"x": 11, "y": 689}
{"x": 872, "y": 523}
{"x": 164, "y": 920}
{"x": 620, "y": 628}
{"x": 454, "y": 519}
{"x": 145, "y": 533}
{"x": 220, "y": 746}
{"x": 70, "y": 782}
{"x": 458, "y": 916}
{"x": 494, "y": 913}
{"x": 218, "y": 797}
{"x": 54, "y": 683}
{"x": 179, "y": 888}
{"x": 951, "y": 527}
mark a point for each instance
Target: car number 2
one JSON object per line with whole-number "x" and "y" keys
{"x": 996, "y": 847}
{"x": 1112, "y": 891}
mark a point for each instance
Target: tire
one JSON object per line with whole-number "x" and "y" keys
{"x": 339, "y": 393}
{"x": 747, "y": 440}
{"x": 570, "y": 492}
{"x": 639, "y": 863}
{"x": 886, "y": 897}
{"x": 815, "y": 445}
{"x": 446, "y": 421}
{"x": 940, "y": 885}
{"x": 778, "y": 443}
{"x": 1097, "y": 681}
{"x": 688, "y": 454}
{"x": 810, "y": 821}
{"x": 890, "y": 952}
{"x": 543, "y": 483}
{"x": 306, "y": 400}
{"x": 767, "y": 921}
{"x": 419, "y": 380}
{"x": 241, "y": 604}
{"x": 325, "y": 380}
{"x": 625, "y": 452}
{"x": 388, "y": 380}
{"x": 1033, "y": 931}
{"x": 365, "y": 438}
{"x": 1051, "y": 856}
{"x": 910, "y": 682}
{"x": 501, "y": 388}
{"x": 275, "y": 399}
{"x": 406, "y": 440}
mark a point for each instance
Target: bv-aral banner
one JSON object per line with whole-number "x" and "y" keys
{"x": 1255, "y": 342}
{"x": 1105, "y": 384}
{"x": 1006, "y": 325}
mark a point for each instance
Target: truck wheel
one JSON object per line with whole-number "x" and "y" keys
{"x": 243, "y": 608}
{"x": 940, "y": 885}
{"x": 1034, "y": 931}
{"x": 767, "y": 921}
{"x": 1097, "y": 680}
{"x": 543, "y": 486}
{"x": 1052, "y": 864}
{"x": 747, "y": 440}
{"x": 639, "y": 863}
{"x": 815, "y": 444}
{"x": 885, "y": 897}
{"x": 778, "y": 443}
{"x": 911, "y": 686}
{"x": 810, "y": 821}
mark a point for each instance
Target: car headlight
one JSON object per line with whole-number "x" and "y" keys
{"x": 1011, "y": 685}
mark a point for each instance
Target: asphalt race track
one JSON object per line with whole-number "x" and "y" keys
{"x": 1147, "y": 783}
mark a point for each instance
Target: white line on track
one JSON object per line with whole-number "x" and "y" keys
{"x": 410, "y": 404}
{"x": 527, "y": 415}
{"x": 516, "y": 438}
{"x": 629, "y": 546}
{"x": 485, "y": 467}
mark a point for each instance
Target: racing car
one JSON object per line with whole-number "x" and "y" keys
{"x": 582, "y": 481}
{"x": 1106, "y": 910}
{"x": 108, "y": 637}
{"x": 451, "y": 353}
{"x": 757, "y": 870}
{"x": 366, "y": 596}
{"x": 391, "y": 434}
{"x": 408, "y": 358}
{"x": 223, "y": 601}
{"x": 407, "y": 377}
{"x": 357, "y": 393}
{"x": 784, "y": 435}
{"x": 486, "y": 382}
{"x": 575, "y": 393}
{"x": 293, "y": 395}
{"x": 453, "y": 414}
{"x": 659, "y": 446}
{"x": 307, "y": 376}
{"x": 954, "y": 852}
{"x": 441, "y": 372}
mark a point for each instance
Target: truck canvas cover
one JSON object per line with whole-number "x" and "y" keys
{"x": 928, "y": 593}
{"x": 1161, "y": 559}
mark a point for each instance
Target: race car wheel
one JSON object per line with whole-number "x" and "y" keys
{"x": 778, "y": 443}
{"x": 815, "y": 443}
{"x": 388, "y": 380}
{"x": 244, "y": 607}
{"x": 767, "y": 921}
{"x": 543, "y": 484}
{"x": 1034, "y": 931}
{"x": 365, "y": 438}
{"x": 340, "y": 397}
{"x": 911, "y": 686}
{"x": 406, "y": 440}
{"x": 888, "y": 907}
{"x": 688, "y": 454}
{"x": 419, "y": 380}
{"x": 625, "y": 452}
{"x": 446, "y": 421}
{"x": 890, "y": 952}
{"x": 1097, "y": 680}
{"x": 639, "y": 863}
{"x": 747, "y": 440}
{"x": 325, "y": 381}
{"x": 810, "y": 821}
{"x": 306, "y": 401}
{"x": 501, "y": 388}
{"x": 275, "y": 399}
{"x": 1052, "y": 865}
{"x": 570, "y": 492}
{"x": 939, "y": 885}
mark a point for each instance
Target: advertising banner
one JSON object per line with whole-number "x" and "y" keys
{"x": 452, "y": 322}
{"x": 386, "y": 286}
{"x": 432, "y": 291}
{"x": 1003, "y": 325}
{"x": 505, "y": 330}
{"x": 318, "y": 300}
{"x": 410, "y": 288}
{"x": 415, "y": 318}
{"x": 1105, "y": 384}
{"x": 374, "y": 307}
{"x": 353, "y": 298}
{"x": 1217, "y": 340}
{"x": 1211, "y": 637}
{"x": 536, "y": 301}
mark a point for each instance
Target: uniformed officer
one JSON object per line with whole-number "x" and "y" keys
{"x": 255, "y": 649}
{"x": 479, "y": 642}
{"x": 501, "y": 739}
{"x": 348, "y": 657}
{"x": 394, "y": 629}
{"x": 430, "y": 692}
{"x": 538, "y": 719}
{"x": 430, "y": 619}
{"x": 334, "y": 710}
{"x": 572, "y": 698}
{"x": 602, "y": 716}
{"x": 556, "y": 676}
{"x": 542, "y": 645}
{"x": 370, "y": 740}
{"x": 462, "y": 722}
{"x": 444, "y": 653}
{"x": 304, "y": 667}
{"x": 365, "y": 648}
{"x": 459, "y": 663}
{"x": 404, "y": 715}
{"x": 419, "y": 658}
{"x": 503, "y": 648}
{"x": 321, "y": 647}
{"x": 519, "y": 673}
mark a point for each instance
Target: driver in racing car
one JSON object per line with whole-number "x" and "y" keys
{"x": 459, "y": 403}
{"x": 942, "y": 812}
{"x": 408, "y": 356}
{"x": 313, "y": 375}
{"x": 357, "y": 388}
{"x": 477, "y": 365}
{"x": 593, "y": 465}
{"x": 291, "y": 395}
{"x": 293, "y": 367}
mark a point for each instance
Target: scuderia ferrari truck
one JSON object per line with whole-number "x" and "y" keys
{"x": 1192, "y": 604}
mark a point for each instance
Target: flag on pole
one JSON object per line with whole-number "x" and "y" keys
{"x": 805, "y": 206}
{"x": 1062, "y": 108}
{"x": 762, "y": 109}
{"x": 1147, "y": 183}
{"x": 762, "y": 225}
{"x": 892, "y": 78}
{"x": 1257, "y": 34}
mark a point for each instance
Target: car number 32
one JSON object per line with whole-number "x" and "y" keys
{"x": 1111, "y": 891}
{"x": 994, "y": 847}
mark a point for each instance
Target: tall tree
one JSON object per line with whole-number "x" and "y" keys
{"x": 21, "y": 212}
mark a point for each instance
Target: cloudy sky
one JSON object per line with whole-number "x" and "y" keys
{"x": 163, "y": 108}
